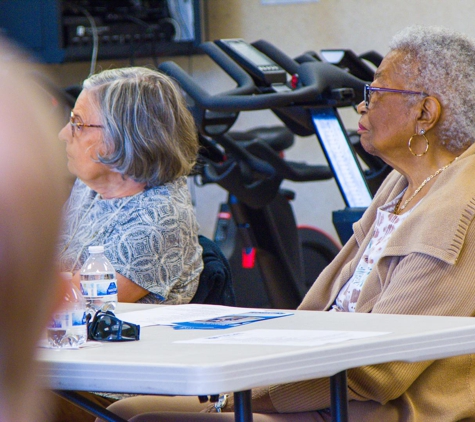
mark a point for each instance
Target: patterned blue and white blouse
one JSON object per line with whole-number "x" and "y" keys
{"x": 150, "y": 238}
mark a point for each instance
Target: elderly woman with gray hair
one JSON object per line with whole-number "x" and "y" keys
{"x": 412, "y": 252}
{"x": 130, "y": 142}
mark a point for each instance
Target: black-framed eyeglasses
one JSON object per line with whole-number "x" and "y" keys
{"x": 105, "y": 326}
{"x": 368, "y": 90}
{"x": 77, "y": 124}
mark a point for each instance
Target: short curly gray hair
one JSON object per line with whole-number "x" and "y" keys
{"x": 445, "y": 68}
{"x": 149, "y": 134}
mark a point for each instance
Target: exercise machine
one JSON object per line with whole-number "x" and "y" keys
{"x": 252, "y": 174}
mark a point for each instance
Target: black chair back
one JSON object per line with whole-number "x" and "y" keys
{"x": 215, "y": 286}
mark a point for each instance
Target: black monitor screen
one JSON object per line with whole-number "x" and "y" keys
{"x": 341, "y": 158}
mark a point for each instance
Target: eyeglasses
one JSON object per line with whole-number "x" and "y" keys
{"x": 105, "y": 326}
{"x": 368, "y": 90}
{"x": 77, "y": 124}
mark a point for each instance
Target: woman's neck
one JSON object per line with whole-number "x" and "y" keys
{"x": 116, "y": 187}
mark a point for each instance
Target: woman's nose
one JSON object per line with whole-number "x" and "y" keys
{"x": 65, "y": 133}
{"x": 361, "y": 108}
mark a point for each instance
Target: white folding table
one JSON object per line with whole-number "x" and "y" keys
{"x": 158, "y": 365}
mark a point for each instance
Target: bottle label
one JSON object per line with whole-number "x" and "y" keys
{"x": 98, "y": 288}
{"x": 65, "y": 320}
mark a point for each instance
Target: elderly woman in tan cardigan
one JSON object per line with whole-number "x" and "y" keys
{"x": 413, "y": 251}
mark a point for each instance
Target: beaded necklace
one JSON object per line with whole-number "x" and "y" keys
{"x": 398, "y": 208}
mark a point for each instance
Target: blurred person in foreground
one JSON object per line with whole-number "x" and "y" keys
{"x": 412, "y": 252}
{"x": 33, "y": 188}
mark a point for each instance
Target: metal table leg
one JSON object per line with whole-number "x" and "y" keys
{"x": 243, "y": 406}
{"x": 339, "y": 397}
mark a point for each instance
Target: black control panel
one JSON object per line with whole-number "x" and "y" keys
{"x": 253, "y": 61}
{"x": 57, "y": 30}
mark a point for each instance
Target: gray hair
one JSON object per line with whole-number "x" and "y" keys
{"x": 445, "y": 68}
{"x": 149, "y": 134}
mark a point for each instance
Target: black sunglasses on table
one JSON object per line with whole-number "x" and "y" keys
{"x": 105, "y": 326}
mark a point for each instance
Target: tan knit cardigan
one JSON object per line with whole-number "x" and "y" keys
{"x": 427, "y": 268}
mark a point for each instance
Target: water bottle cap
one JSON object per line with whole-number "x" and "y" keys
{"x": 96, "y": 249}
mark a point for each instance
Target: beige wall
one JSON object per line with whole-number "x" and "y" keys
{"x": 357, "y": 24}
{"x": 360, "y": 25}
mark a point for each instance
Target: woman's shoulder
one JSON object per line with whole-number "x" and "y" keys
{"x": 167, "y": 191}
{"x": 172, "y": 197}
{"x": 158, "y": 209}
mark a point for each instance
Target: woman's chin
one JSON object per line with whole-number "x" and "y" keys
{"x": 72, "y": 169}
{"x": 368, "y": 148}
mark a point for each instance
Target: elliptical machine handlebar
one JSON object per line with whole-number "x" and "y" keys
{"x": 244, "y": 81}
{"x": 246, "y": 175}
{"x": 245, "y": 102}
{"x": 327, "y": 78}
{"x": 318, "y": 82}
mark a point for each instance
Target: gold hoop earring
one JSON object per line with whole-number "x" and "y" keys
{"x": 422, "y": 133}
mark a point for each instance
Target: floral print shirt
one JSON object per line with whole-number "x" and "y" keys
{"x": 386, "y": 223}
{"x": 151, "y": 238}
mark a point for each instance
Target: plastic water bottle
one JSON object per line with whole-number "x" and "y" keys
{"x": 98, "y": 281}
{"x": 67, "y": 327}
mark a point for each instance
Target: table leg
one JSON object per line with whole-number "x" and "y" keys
{"x": 243, "y": 406}
{"x": 88, "y": 406}
{"x": 339, "y": 397}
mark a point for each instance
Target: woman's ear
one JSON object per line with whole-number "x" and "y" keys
{"x": 430, "y": 112}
